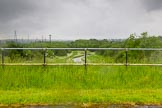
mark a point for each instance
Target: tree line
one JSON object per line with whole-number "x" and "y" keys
{"x": 134, "y": 41}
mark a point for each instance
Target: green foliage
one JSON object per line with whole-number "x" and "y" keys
{"x": 134, "y": 41}
{"x": 60, "y": 52}
{"x": 14, "y": 54}
{"x": 143, "y": 41}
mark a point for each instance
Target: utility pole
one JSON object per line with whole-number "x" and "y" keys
{"x": 42, "y": 38}
{"x": 22, "y": 40}
{"x": 50, "y": 38}
{"x": 15, "y": 36}
{"x": 28, "y": 37}
{"x": 45, "y": 39}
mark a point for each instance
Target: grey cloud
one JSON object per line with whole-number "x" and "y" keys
{"x": 70, "y": 19}
{"x": 26, "y": 15}
{"x": 152, "y": 5}
{"x": 12, "y": 9}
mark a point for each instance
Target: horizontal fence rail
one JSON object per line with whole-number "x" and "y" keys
{"x": 149, "y": 49}
{"x": 85, "y": 57}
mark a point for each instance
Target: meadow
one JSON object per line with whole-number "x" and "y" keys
{"x": 77, "y": 85}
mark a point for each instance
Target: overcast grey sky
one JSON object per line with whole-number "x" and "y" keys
{"x": 74, "y": 19}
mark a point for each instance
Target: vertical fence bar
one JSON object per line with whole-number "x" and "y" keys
{"x": 126, "y": 57}
{"x": 85, "y": 55}
{"x": 2, "y": 56}
{"x": 44, "y": 56}
{"x": 85, "y": 61}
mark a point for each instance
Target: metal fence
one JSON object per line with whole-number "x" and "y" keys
{"x": 44, "y": 50}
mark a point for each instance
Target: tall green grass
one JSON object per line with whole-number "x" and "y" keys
{"x": 77, "y": 77}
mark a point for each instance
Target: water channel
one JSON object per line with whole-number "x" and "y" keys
{"x": 78, "y": 59}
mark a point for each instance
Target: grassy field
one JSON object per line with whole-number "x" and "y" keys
{"x": 74, "y": 84}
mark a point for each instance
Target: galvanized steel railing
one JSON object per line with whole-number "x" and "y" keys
{"x": 85, "y": 56}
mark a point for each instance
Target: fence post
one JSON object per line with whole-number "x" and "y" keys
{"x": 85, "y": 55}
{"x": 44, "y": 56}
{"x": 126, "y": 57}
{"x": 85, "y": 61}
{"x": 2, "y": 56}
